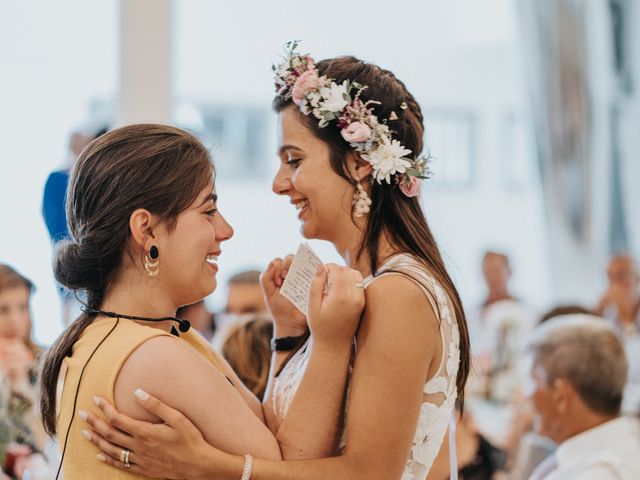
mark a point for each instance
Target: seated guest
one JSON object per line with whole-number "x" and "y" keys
{"x": 22, "y": 437}
{"x": 244, "y": 294}
{"x": 247, "y": 349}
{"x": 244, "y": 298}
{"x": 525, "y": 448}
{"x": 579, "y": 373}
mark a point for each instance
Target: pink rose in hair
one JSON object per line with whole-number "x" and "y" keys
{"x": 356, "y": 132}
{"x": 304, "y": 84}
{"x": 410, "y": 188}
{"x": 311, "y": 65}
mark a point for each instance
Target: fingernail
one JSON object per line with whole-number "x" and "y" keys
{"x": 101, "y": 457}
{"x": 83, "y": 415}
{"x": 141, "y": 395}
{"x": 97, "y": 401}
{"x": 86, "y": 434}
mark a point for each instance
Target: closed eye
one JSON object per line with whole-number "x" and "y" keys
{"x": 211, "y": 212}
{"x": 294, "y": 162}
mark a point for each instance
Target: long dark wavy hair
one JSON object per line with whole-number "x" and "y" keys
{"x": 156, "y": 167}
{"x": 392, "y": 213}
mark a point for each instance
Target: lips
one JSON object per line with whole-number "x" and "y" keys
{"x": 212, "y": 258}
{"x": 300, "y": 205}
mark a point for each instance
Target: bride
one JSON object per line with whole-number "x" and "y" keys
{"x": 350, "y": 139}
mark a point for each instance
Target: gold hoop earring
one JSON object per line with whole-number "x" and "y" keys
{"x": 151, "y": 261}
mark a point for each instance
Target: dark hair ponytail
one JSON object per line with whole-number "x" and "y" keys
{"x": 156, "y": 167}
{"x": 391, "y": 213}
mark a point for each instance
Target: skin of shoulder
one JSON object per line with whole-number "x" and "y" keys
{"x": 397, "y": 306}
{"x": 172, "y": 371}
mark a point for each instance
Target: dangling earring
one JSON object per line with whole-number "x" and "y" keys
{"x": 361, "y": 201}
{"x": 151, "y": 262}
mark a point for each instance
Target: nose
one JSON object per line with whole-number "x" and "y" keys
{"x": 281, "y": 181}
{"x": 223, "y": 230}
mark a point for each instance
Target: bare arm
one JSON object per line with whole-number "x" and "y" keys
{"x": 312, "y": 424}
{"x": 175, "y": 373}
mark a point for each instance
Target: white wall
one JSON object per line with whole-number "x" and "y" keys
{"x": 54, "y": 58}
{"x": 459, "y": 53}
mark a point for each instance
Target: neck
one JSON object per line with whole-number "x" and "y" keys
{"x": 628, "y": 311}
{"x": 583, "y": 422}
{"x": 138, "y": 297}
{"x": 497, "y": 295}
{"x": 349, "y": 245}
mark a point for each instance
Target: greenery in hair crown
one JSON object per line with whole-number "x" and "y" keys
{"x": 297, "y": 78}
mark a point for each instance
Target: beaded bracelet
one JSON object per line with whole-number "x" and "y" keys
{"x": 248, "y": 466}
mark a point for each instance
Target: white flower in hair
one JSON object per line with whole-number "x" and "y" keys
{"x": 335, "y": 97}
{"x": 282, "y": 70}
{"x": 388, "y": 159}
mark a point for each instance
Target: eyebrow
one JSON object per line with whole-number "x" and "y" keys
{"x": 284, "y": 148}
{"x": 211, "y": 197}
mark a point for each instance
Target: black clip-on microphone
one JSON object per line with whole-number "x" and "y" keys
{"x": 183, "y": 325}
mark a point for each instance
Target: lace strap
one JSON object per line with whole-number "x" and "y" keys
{"x": 422, "y": 284}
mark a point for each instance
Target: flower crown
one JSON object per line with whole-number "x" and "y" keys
{"x": 297, "y": 79}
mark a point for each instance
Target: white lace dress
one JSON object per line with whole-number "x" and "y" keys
{"x": 439, "y": 392}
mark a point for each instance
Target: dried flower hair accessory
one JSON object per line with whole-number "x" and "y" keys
{"x": 297, "y": 78}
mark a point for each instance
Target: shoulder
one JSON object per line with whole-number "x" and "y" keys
{"x": 163, "y": 354}
{"x": 393, "y": 288}
{"x": 397, "y": 310}
{"x": 167, "y": 368}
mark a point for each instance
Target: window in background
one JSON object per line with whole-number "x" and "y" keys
{"x": 518, "y": 163}
{"x": 450, "y": 139}
{"x": 238, "y": 137}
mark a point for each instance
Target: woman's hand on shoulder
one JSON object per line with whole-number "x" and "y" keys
{"x": 288, "y": 320}
{"x": 336, "y": 301}
{"x": 158, "y": 450}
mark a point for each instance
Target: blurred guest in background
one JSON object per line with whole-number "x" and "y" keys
{"x": 247, "y": 349}
{"x": 524, "y": 447}
{"x": 53, "y": 203}
{"x": 498, "y": 330}
{"x": 620, "y": 303}
{"x": 477, "y": 458}
{"x": 579, "y": 373}
{"x": 199, "y": 317}
{"x": 244, "y": 294}
{"x": 244, "y": 298}
{"x": 55, "y": 189}
{"x": 22, "y": 437}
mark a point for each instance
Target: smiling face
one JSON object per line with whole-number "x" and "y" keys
{"x": 189, "y": 253}
{"x": 322, "y": 197}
